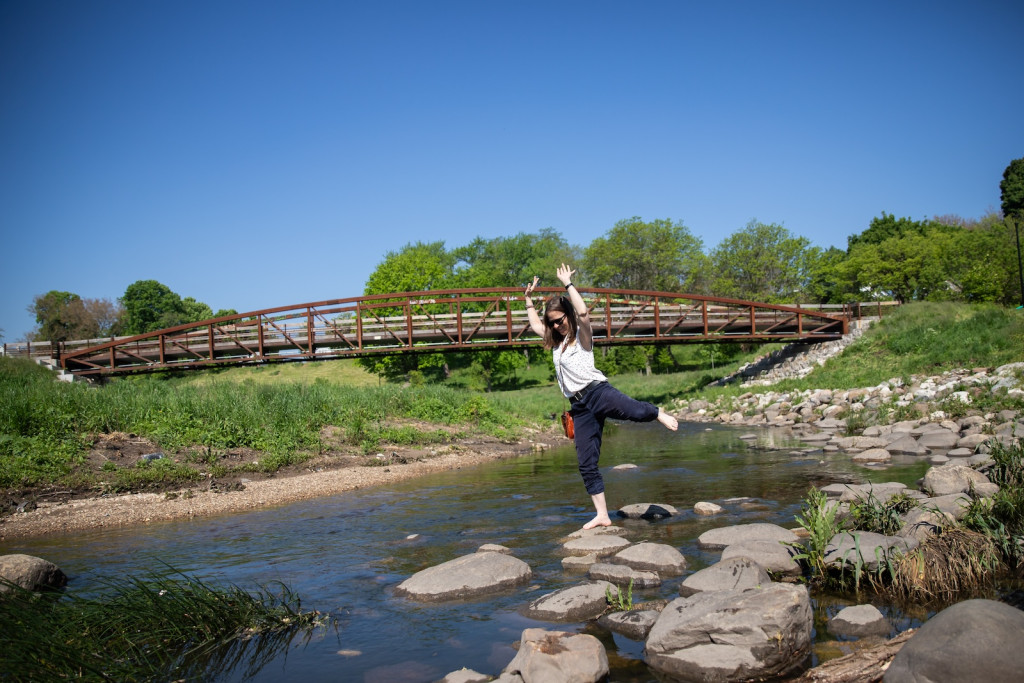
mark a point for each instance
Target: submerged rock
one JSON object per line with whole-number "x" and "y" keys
{"x": 558, "y": 656}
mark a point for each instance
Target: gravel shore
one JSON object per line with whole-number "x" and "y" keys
{"x": 142, "y": 508}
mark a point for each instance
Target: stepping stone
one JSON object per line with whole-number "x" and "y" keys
{"x": 634, "y": 624}
{"x": 735, "y": 573}
{"x": 859, "y": 621}
{"x": 772, "y": 555}
{"x": 648, "y": 511}
{"x": 655, "y": 557}
{"x": 872, "y": 455}
{"x": 579, "y": 563}
{"x": 466, "y": 577}
{"x": 575, "y": 603}
{"x": 601, "y": 545}
{"x": 600, "y": 531}
{"x": 621, "y": 575}
{"x": 906, "y": 445}
{"x": 717, "y": 539}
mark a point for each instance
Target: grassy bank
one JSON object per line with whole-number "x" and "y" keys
{"x": 47, "y": 427}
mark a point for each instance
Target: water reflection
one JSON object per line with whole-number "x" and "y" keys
{"x": 346, "y": 554}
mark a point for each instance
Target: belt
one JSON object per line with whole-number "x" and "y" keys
{"x": 578, "y": 396}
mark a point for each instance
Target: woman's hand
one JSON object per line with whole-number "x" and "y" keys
{"x": 564, "y": 273}
{"x": 530, "y": 287}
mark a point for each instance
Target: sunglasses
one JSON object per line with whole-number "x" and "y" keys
{"x": 555, "y": 323}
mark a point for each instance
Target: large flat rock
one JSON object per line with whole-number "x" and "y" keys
{"x": 468, "y": 576}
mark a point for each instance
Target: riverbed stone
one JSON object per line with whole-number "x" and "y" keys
{"x": 707, "y": 509}
{"x": 30, "y": 572}
{"x": 865, "y": 548}
{"x": 774, "y": 556}
{"x": 647, "y": 511}
{"x": 494, "y": 548}
{"x": 859, "y": 442}
{"x": 559, "y": 656}
{"x": 905, "y": 445}
{"x": 601, "y": 545}
{"x": 654, "y": 557}
{"x": 939, "y": 440}
{"x": 634, "y": 624}
{"x": 734, "y": 573}
{"x": 859, "y": 621}
{"x": 872, "y": 455}
{"x": 951, "y": 479}
{"x": 579, "y": 563}
{"x": 847, "y": 493}
{"x": 468, "y": 576}
{"x": 972, "y": 441}
{"x": 718, "y": 539}
{"x": 621, "y": 575}
{"x": 575, "y": 603}
{"x": 955, "y": 504}
{"x": 466, "y": 676}
{"x": 732, "y": 635}
{"x": 973, "y": 640}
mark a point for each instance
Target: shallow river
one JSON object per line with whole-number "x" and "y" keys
{"x": 346, "y": 554}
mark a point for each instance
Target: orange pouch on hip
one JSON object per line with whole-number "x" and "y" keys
{"x": 567, "y": 425}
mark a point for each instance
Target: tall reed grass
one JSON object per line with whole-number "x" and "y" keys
{"x": 164, "y": 626}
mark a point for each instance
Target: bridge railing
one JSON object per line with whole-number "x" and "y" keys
{"x": 445, "y": 320}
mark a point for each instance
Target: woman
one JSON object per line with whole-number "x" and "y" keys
{"x": 566, "y": 330}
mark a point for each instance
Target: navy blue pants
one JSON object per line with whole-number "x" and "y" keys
{"x": 588, "y": 416}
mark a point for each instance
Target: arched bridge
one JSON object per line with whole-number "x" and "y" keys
{"x": 440, "y": 321}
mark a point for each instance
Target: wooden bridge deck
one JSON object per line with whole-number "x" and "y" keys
{"x": 443, "y": 321}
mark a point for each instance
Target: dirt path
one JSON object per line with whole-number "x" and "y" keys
{"x": 141, "y": 508}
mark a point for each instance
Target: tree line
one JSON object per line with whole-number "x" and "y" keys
{"x": 945, "y": 258}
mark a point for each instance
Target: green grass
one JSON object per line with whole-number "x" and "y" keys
{"x": 160, "y": 627}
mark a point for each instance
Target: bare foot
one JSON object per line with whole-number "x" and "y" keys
{"x": 667, "y": 420}
{"x": 600, "y": 520}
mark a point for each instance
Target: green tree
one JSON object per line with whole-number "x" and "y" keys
{"x": 511, "y": 261}
{"x": 762, "y": 262}
{"x": 194, "y": 311}
{"x": 659, "y": 255}
{"x": 150, "y": 305}
{"x": 493, "y": 365}
{"x": 887, "y": 226}
{"x": 413, "y": 268}
{"x": 52, "y": 312}
{"x": 823, "y": 284}
{"x": 1011, "y": 191}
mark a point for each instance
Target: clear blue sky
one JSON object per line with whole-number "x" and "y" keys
{"x": 257, "y": 154}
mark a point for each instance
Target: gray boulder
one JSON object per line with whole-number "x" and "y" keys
{"x": 974, "y": 640}
{"x": 466, "y": 577}
{"x": 575, "y": 603}
{"x": 648, "y": 511}
{"x": 774, "y": 556}
{"x": 950, "y": 479}
{"x": 732, "y": 635}
{"x": 621, "y": 575}
{"x": 955, "y": 504}
{"x": 864, "y": 548}
{"x": 558, "y": 656}
{"x": 859, "y": 621}
{"x": 717, "y": 539}
{"x": 735, "y": 573}
{"x": 655, "y": 557}
{"x": 30, "y": 572}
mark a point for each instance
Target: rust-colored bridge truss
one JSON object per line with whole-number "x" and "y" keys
{"x": 441, "y": 321}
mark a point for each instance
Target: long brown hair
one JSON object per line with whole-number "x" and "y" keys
{"x": 553, "y": 337}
